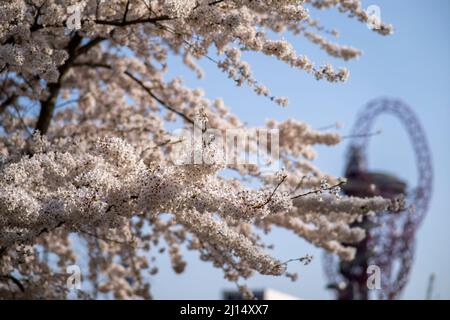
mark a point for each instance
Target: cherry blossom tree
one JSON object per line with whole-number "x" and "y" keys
{"x": 89, "y": 170}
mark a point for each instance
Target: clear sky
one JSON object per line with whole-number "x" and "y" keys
{"x": 412, "y": 65}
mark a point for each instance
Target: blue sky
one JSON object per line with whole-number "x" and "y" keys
{"x": 412, "y": 65}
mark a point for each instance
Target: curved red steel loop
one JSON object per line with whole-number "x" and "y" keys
{"x": 392, "y": 245}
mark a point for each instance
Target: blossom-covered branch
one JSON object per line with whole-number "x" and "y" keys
{"x": 87, "y": 80}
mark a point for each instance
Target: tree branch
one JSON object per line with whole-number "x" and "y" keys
{"x": 10, "y": 100}
{"x": 271, "y": 195}
{"x": 340, "y": 183}
{"x": 48, "y": 105}
{"x": 15, "y": 280}
{"x": 123, "y": 23}
{"x": 127, "y": 7}
{"x": 142, "y": 85}
{"x": 85, "y": 48}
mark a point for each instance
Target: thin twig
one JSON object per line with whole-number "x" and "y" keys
{"x": 142, "y": 85}
{"x": 299, "y": 185}
{"x": 305, "y": 260}
{"x": 340, "y": 183}
{"x": 271, "y": 196}
{"x": 15, "y": 280}
{"x": 165, "y": 143}
{"x": 430, "y": 287}
{"x": 364, "y": 135}
{"x": 21, "y": 120}
{"x": 127, "y": 8}
{"x": 330, "y": 126}
{"x": 132, "y": 22}
{"x": 65, "y": 103}
{"x": 128, "y": 243}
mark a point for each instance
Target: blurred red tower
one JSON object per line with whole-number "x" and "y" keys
{"x": 390, "y": 240}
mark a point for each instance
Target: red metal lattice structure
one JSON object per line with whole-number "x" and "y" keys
{"x": 390, "y": 241}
